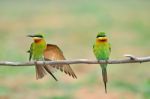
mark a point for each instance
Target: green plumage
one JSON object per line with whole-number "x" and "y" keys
{"x": 102, "y": 49}
{"x": 37, "y": 50}
{"x": 36, "y": 53}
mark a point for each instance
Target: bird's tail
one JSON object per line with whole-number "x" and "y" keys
{"x": 104, "y": 74}
{"x": 49, "y": 71}
{"x": 40, "y": 72}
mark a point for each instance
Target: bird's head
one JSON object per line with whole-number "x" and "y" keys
{"x": 101, "y": 37}
{"x": 37, "y": 37}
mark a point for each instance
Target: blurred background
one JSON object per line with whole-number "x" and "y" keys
{"x": 73, "y": 26}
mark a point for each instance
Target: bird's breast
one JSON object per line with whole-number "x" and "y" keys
{"x": 101, "y": 51}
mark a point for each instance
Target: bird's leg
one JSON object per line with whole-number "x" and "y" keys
{"x": 36, "y": 62}
{"x": 43, "y": 61}
{"x": 106, "y": 61}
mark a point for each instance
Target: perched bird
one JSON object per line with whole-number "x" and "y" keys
{"x": 47, "y": 52}
{"x": 102, "y": 49}
{"x": 36, "y": 51}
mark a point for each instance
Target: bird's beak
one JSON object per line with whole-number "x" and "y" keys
{"x": 30, "y": 35}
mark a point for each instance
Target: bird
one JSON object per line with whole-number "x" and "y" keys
{"x": 37, "y": 48}
{"x": 102, "y": 50}
{"x": 50, "y": 52}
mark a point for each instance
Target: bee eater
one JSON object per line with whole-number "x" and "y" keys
{"x": 36, "y": 51}
{"x": 102, "y": 49}
{"x": 48, "y": 52}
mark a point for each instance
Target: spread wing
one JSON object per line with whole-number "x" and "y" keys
{"x": 53, "y": 52}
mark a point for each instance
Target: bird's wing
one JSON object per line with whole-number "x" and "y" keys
{"x": 93, "y": 45}
{"x": 109, "y": 47}
{"x": 53, "y": 52}
{"x": 30, "y": 52}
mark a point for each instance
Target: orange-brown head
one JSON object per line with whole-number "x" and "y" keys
{"x": 101, "y": 37}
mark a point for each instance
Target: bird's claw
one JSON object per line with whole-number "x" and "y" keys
{"x": 107, "y": 61}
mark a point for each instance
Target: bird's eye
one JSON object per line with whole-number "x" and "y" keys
{"x": 100, "y": 36}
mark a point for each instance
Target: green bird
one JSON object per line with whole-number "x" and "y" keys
{"x": 102, "y": 49}
{"x": 36, "y": 51}
{"x": 40, "y": 50}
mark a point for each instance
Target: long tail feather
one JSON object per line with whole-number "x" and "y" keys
{"x": 104, "y": 74}
{"x": 40, "y": 72}
{"x": 49, "y": 71}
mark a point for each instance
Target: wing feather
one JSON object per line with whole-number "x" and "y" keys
{"x": 53, "y": 52}
{"x": 30, "y": 52}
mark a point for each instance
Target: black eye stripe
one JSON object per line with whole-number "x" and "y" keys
{"x": 100, "y": 36}
{"x": 38, "y": 36}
